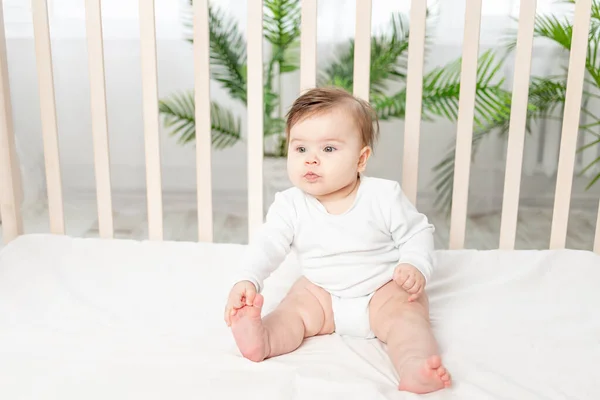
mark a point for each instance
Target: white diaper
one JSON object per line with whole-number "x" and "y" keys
{"x": 351, "y": 316}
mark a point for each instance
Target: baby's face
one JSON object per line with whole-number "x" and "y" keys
{"x": 325, "y": 153}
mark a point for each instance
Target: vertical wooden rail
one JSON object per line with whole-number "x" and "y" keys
{"x": 255, "y": 116}
{"x": 516, "y": 132}
{"x": 362, "y": 50}
{"x": 414, "y": 98}
{"x": 43, "y": 52}
{"x": 203, "y": 122}
{"x": 464, "y": 134}
{"x": 151, "y": 121}
{"x": 10, "y": 174}
{"x": 570, "y": 127}
{"x": 99, "y": 117}
{"x": 308, "y": 45}
{"x": 597, "y": 236}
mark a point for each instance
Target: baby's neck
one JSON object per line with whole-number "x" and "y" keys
{"x": 341, "y": 200}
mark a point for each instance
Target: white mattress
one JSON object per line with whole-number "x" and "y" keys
{"x": 98, "y": 319}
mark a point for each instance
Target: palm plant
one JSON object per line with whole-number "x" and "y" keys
{"x": 389, "y": 50}
{"x": 228, "y": 67}
{"x": 546, "y": 96}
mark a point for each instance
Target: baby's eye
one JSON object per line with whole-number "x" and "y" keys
{"x": 300, "y": 149}
{"x": 329, "y": 149}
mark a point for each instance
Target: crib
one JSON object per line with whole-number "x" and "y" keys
{"x": 114, "y": 318}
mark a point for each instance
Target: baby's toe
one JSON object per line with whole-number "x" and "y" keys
{"x": 434, "y": 362}
{"x": 441, "y": 371}
{"x": 445, "y": 377}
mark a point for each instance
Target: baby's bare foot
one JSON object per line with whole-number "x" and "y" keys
{"x": 424, "y": 375}
{"x": 249, "y": 333}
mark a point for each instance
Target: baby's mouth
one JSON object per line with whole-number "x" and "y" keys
{"x": 311, "y": 176}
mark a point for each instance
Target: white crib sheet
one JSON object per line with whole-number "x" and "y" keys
{"x": 99, "y": 319}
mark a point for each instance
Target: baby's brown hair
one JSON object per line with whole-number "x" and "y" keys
{"x": 319, "y": 100}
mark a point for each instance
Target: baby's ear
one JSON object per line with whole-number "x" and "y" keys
{"x": 365, "y": 153}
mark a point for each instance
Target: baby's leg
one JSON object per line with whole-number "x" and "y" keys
{"x": 304, "y": 312}
{"x": 411, "y": 345}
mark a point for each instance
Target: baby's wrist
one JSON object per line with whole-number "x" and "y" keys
{"x": 245, "y": 282}
{"x": 405, "y": 265}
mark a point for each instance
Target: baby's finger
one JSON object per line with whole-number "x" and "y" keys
{"x": 412, "y": 285}
{"x": 420, "y": 286}
{"x": 250, "y": 297}
{"x": 415, "y": 296}
{"x": 409, "y": 283}
{"x": 233, "y": 311}
{"x": 236, "y": 301}
{"x": 402, "y": 277}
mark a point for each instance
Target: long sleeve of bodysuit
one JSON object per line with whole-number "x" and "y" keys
{"x": 412, "y": 233}
{"x": 271, "y": 244}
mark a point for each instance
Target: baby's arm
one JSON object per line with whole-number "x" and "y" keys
{"x": 271, "y": 244}
{"x": 263, "y": 255}
{"x": 413, "y": 235}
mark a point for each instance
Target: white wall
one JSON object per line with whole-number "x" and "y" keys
{"x": 175, "y": 67}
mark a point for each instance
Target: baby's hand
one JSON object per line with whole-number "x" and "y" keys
{"x": 410, "y": 279}
{"x": 242, "y": 294}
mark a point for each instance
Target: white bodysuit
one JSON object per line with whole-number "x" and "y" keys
{"x": 350, "y": 255}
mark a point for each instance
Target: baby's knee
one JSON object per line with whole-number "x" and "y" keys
{"x": 396, "y": 315}
{"x": 307, "y": 310}
{"x": 407, "y": 313}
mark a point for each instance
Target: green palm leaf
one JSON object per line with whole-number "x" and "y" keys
{"x": 227, "y": 50}
{"x": 554, "y": 29}
{"x": 281, "y": 24}
{"x": 274, "y": 126}
{"x": 388, "y": 64}
{"x": 388, "y": 59}
{"x": 282, "y": 29}
{"x": 595, "y": 8}
{"x": 592, "y": 64}
{"x": 546, "y": 99}
{"x": 391, "y": 107}
{"x": 545, "y": 96}
{"x": 178, "y": 115}
{"x": 560, "y": 31}
{"x": 227, "y": 54}
{"x": 441, "y": 92}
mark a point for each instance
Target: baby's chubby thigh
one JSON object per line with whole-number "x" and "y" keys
{"x": 390, "y": 305}
{"x": 313, "y": 304}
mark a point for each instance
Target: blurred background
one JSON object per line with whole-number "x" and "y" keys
{"x": 335, "y": 30}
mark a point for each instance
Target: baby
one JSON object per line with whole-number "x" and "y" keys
{"x": 365, "y": 251}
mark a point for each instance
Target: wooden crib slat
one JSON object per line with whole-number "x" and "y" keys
{"x": 99, "y": 117}
{"x": 255, "y": 116}
{"x": 516, "y": 132}
{"x": 414, "y": 95}
{"x": 308, "y": 45}
{"x": 11, "y": 193}
{"x": 597, "y": 236}
{"x": 362, "y": 50}
{"x": 203, "y": 122}
{"x": 568, "y": 143}
{"x": 464, "y": 133}
{"x": 43, "y": 53}
{"x": 151, "y": 121}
